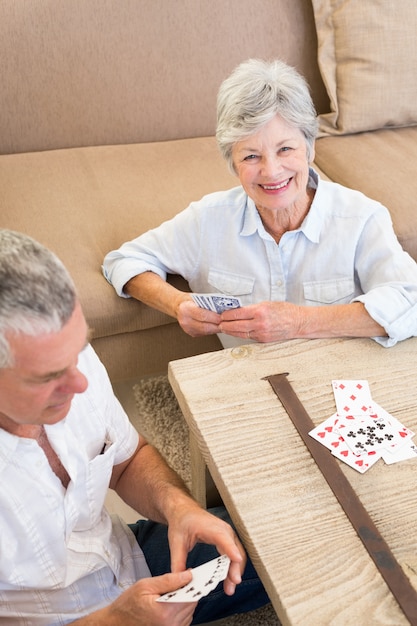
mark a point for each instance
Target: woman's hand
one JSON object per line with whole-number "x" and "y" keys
{"x": 196, "y": 321}
{"x": 263, "y": 322}
{"x": 278, "y": 321}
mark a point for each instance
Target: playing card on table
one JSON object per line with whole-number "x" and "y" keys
{"x": 360, "y": 463}
{"x": 361, "y": 431}
{"x": 352, "y": 397}
{"x": 379, "y": 431}
{"x": 206, "y": 577}
{"x": 329, "y": 434}
{"x": 402, "y": 433}
{"x": 216, "y": 302}
{"x": 408, "y": 451}
{"x": 361, "y": 435}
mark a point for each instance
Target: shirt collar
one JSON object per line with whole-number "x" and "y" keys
{"x": 252, "y": 220}
{"x": 8, "y": 446}
{"x": 311, "y": 226}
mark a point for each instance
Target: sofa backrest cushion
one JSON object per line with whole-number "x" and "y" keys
{"x": 368, "y": 57}
{"x": 365, "y": 161}
{"x": 84, "y": 202}
{"x": 95, "y": 72}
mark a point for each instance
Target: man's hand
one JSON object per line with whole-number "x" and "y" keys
{"x": 196, "y": 321}
{"x": 194, "y": 525}
{"x": 138, "y": 605}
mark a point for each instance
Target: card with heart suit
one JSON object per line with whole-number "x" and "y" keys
{"x": 206, "y": 577}
{"x": 359, "y": 463}
{"x": 327, "y": 433}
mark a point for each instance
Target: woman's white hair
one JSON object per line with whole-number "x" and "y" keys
{"x": 37, "y": 294}
{"x": 253, "y": 94}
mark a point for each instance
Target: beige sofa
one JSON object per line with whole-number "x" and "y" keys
{"x": 107, "y": 123}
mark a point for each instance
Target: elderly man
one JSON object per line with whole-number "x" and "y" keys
{"x": 64, "y": 440}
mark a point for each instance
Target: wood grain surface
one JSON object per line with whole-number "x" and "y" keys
{"x": 313, "y": 565}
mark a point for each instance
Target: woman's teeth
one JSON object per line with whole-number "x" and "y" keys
{"x": 273, "y": 187}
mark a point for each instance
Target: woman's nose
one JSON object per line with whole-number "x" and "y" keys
{"x": 271, "y": 166}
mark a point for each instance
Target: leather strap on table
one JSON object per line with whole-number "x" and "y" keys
{"x": 378, "y": 549}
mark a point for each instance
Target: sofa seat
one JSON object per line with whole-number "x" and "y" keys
{"x": 381, "y": 164}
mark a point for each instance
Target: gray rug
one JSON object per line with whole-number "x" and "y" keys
{"x": 160, "y": 419}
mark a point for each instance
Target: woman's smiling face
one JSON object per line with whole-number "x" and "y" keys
{"x": 273, "y": 167}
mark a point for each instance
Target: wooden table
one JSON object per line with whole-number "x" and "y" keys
{"x": 314, "y": 566}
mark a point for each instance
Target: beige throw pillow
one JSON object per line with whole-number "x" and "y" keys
{"x": 367, "y": 54}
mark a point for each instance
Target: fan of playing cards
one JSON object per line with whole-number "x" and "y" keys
{"x": 361, "y": 432}
{"x": 217, "y": 302}
{"x": 205, "y": 578}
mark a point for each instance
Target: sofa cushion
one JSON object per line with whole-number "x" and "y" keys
{"x": 83, "y": 202}
{"x": 367, "y": 53}
{"x": 381, "y": 164}
{"x": 95, "y": 72}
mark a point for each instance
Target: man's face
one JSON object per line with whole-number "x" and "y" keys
{"x": 40, "y": 385}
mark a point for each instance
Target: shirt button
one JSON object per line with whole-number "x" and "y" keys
{"x": 279, "y": 283}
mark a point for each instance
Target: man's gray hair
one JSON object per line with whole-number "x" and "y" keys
{"x": 253, "y": 94}
{"x": 37, "y": 294}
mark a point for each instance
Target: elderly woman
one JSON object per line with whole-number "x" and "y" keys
{"x": 306, "y": 257}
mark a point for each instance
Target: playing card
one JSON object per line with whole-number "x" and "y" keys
{"x": 223, "y": 303}
{"x": 206, "y": 577}
{"x": 361, "y": 432}
{"x": 373, "y": 432}
{"x": 359, "y": 463}
{"x": 197, "y": 299}
{"x": 403, "y": 434}
{"x": 352, "y": 397}
{"x": 408, "y": 451}
{"x": 327, "y": 433}
{"x": 216, "y": 302}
